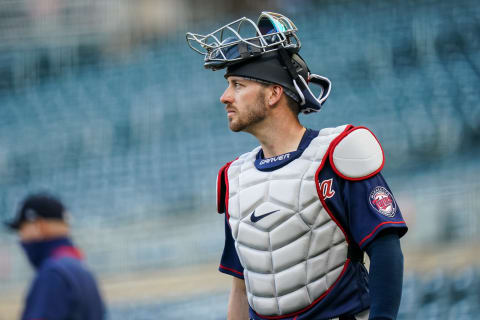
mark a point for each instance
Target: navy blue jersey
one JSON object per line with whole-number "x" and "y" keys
{"x": 363, "y": 208}
{"x": 63, "y": 289}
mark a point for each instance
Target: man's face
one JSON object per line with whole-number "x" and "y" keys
{"x": 31, "y": 231}
{"x": 245, "y": 103}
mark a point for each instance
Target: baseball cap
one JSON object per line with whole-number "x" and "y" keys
{"x": 41, "y": 205}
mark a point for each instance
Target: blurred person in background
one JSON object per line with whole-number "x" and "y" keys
{"x": 303, "y": 207}
{"x": 63, "y": 288}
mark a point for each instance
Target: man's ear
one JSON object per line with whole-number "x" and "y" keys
{"x": 274, "y": 94}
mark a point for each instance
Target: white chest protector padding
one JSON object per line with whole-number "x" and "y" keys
{"x": 296, "y": 252}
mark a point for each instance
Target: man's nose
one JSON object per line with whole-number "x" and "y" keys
{"x": 226, "y": 97}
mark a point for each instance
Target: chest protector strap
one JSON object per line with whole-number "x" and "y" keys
{"x": 222, "y": 188}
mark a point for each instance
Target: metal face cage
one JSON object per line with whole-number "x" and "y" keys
{"x": 243, "y": 39}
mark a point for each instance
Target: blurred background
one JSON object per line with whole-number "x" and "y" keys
{"x": 103, "y": 103}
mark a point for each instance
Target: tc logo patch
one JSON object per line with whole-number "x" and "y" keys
{"x": 326, "y": 188}
{"x": 382, "y": 201}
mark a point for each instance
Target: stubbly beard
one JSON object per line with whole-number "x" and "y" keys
{"x": 254, "y": 114}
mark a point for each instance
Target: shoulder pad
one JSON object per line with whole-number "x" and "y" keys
{"x": 222, "y": 187}
{"x": 356, "y": 154}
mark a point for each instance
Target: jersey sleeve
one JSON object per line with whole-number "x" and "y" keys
{"x": 371, "y": 208}
{"x": 364, "y": 208}
{"x": 49, "y": 297}
{"x": 230, "y": 263}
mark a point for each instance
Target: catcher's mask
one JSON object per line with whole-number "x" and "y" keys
{"x": 266, "y": 50}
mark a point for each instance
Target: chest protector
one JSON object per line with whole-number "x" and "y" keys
{"x": 292, "y": 250}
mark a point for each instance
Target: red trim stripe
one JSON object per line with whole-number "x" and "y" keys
{"x": 221, "y": 174}
{"x": 219, "y": 189}
{"x": 376, "y": 228}
{"x": 67, "y": 251}
{"x": 231, "y": 270}
{"x": 317, "y": 183}
{"x": 227, "y": 189}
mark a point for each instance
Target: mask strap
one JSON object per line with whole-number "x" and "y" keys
{"x": 286, "y": 61}
{"x": 308, "y": 102}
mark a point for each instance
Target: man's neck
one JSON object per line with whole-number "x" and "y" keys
{"x": 280, "y": 138}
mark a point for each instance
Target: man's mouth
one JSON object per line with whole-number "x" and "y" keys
{"x": 230, "y": 111}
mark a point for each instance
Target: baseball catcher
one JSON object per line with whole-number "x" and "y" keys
{"x": 303, "y": 207}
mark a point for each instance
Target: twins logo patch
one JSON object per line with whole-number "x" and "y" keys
{"x": 382, "y": 201}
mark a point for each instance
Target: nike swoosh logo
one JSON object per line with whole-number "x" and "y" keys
{"x": 255, "y": 218}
